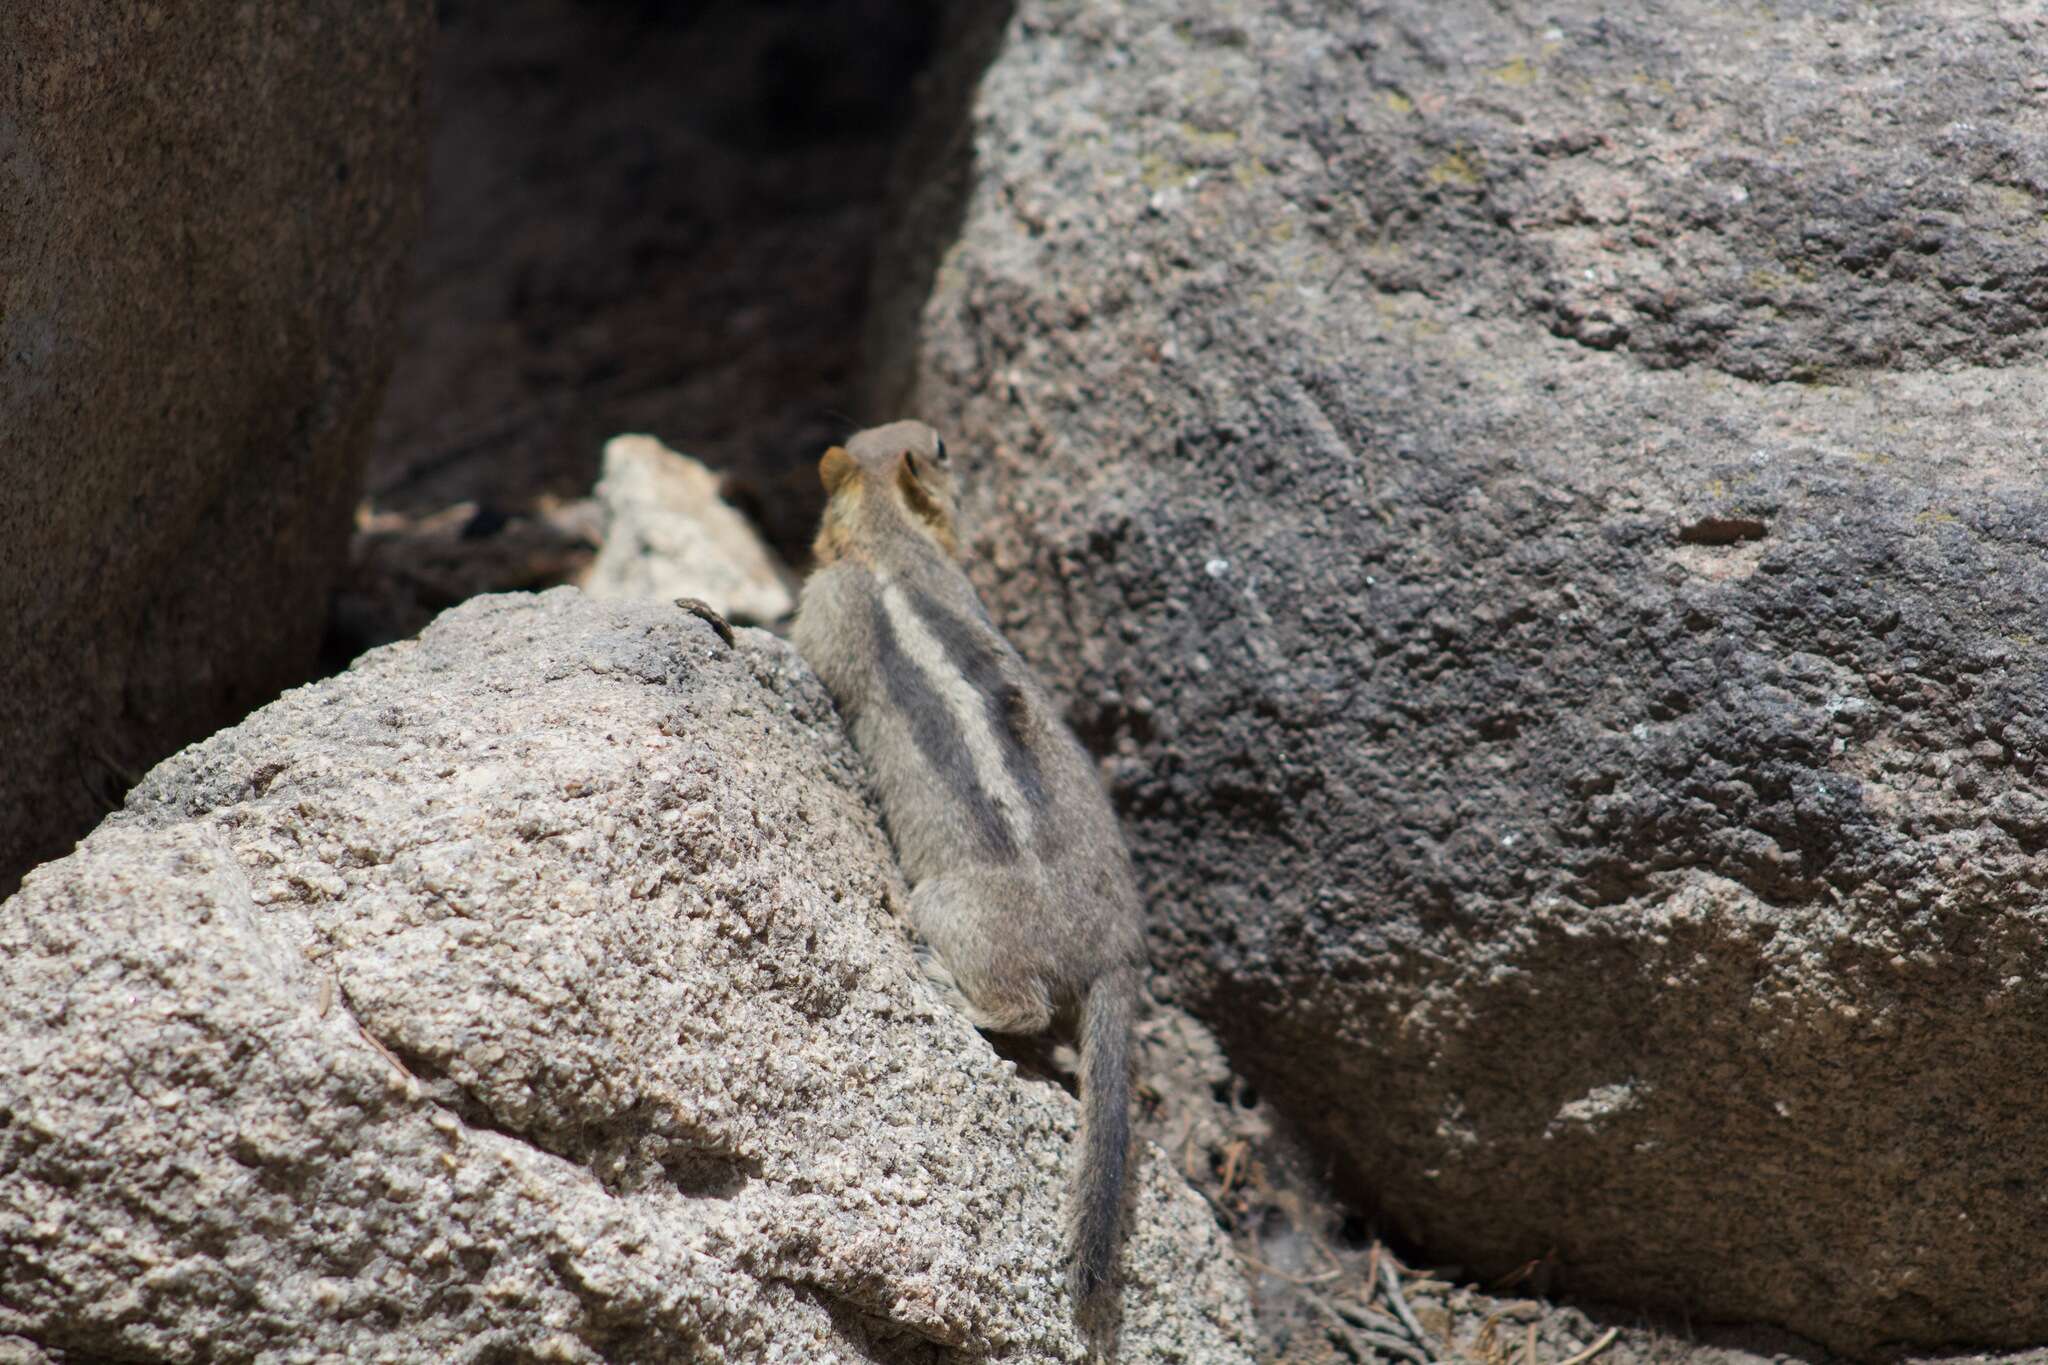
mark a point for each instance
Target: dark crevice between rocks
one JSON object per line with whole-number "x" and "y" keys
{"x": 696, "y": 1165}
{"x": 1722, "y": 530}
{"x": 929, "y": 184}
{"x": 653, "y": 217}
{"x": 48, "y": 1349}
{"x": 880, "y": 1339}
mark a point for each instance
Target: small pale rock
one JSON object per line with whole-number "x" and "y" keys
{"x": 668, "y": 535}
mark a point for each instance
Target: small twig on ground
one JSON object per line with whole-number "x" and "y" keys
{"x": 386, "y": 1053}
{"x": 1529, "y": 1347}
{"x": 1489, "y": 1347}
{"x": 709, "y": 615}
{"x": 1343, "y": 1329}
{"x": 1399, "y": 1304}
{"x": 1371, "y": 1317}
{"x": 1256, "y": 1264}
{"x": 1359, "y": 1339}
{"x": 1518, "y": 1274}
{"x": 1606, "y": 1340}
{"x": 1234, "y": 1157}
{"x": 129, "y": 777}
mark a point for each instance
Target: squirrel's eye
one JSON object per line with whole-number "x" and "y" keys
{"x": 939, "y": 448}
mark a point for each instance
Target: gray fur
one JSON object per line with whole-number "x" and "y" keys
{"x": 1005, "y": 701}
{"x": 937, "y": 737}
{"x": 1042, "y": 930}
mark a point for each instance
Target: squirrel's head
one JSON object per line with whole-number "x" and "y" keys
{"x": 897, "y": 474}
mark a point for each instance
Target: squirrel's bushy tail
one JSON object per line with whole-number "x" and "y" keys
{"x": 1105, "y": 1131}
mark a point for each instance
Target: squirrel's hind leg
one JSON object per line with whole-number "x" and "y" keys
{"x": 997, "y": 990}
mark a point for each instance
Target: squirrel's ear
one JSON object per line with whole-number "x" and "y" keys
{"x": 910, "y": 476}
{"x": 910, "y": 481}
{"x": 835, "y": 469}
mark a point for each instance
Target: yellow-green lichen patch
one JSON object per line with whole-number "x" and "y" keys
{"x": 1453, "y": 168}
{"x": 1516, "y": 71}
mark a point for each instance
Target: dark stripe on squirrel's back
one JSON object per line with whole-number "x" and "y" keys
{"x": 937, "y": 738}
{"x": 982, "y": 666}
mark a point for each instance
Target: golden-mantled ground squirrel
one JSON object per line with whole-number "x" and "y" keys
{"x": 1021, "y": 887}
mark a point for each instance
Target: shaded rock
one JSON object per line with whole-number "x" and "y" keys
{"x": 668, "y": 534}
{"x": 530, "y": 989}
{"x": 202, "y": 219}
{"x": 647, "y": 217}
{"x": 1545, "y": 513}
